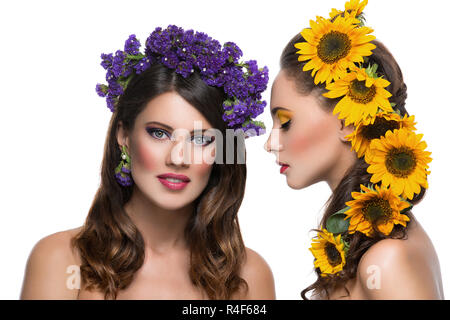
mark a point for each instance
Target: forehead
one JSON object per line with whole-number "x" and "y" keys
{"x": 283, "y": 95}
{"x": 172, "y": 109}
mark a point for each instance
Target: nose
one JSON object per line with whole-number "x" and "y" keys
{"x": 273, "y": 141}
{"x": 179, "y": 153}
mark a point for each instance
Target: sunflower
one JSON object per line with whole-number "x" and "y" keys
{"x": 373, "y": 210}
{"x": 363, "y": 95}
{"x": 334, "y": 46}
{"x": 329, "y": 253}
{"x": 398, "y": 160}
{"x": 352, "y": 7}
{"x": 377, "y": 127}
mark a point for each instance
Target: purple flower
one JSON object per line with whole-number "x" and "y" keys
{"x": 125, "y": 169}
{"x": 142, "y": 65}
{"x": 184, "y": 68}
{"x": 115, "y": 89}
{"x": 110, "y": 76}
{"x": 170, "y": 60}
{"x": 110, "y": 102}
{"x": 233, "y": 51}
{"x": 117, "y": 63}
{"x": 252, "y": 66}
{"x": 101, "y": 89}
{"x": 187, "y": 52}
{"x": 106, "y": 60}
{"x": 132, "y": 45}
{"x": 258, "y": 80}
{"x": 123, "y": 180}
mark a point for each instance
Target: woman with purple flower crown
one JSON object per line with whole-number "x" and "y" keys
{"x": 338, "y": 108}
{"x": 163, "y": 224}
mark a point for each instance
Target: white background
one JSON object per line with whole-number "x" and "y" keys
{"x": 53, "y": 124}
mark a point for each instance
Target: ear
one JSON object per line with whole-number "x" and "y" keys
{"x": 122, "y": 135}
{"x": 345, "y": 131}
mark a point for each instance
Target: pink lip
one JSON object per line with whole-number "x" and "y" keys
{"x": 174, "y": 185}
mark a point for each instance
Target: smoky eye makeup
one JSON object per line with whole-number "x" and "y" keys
{"x": 157, "y": 133}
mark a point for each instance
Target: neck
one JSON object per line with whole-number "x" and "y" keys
{"x": 345, "y": 161}
{"x": 162, "y": 229}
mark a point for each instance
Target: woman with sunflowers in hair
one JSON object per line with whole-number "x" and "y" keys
{"x": 338, "y": 107}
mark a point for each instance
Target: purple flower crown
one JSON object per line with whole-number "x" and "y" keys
{"x": 186, "y": 51}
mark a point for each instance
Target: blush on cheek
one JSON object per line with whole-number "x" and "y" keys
{"x": 316, "y": 135}
{"x": 145, "y": 156}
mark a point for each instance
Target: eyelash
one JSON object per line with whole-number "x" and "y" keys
{"x": 151, "y": 131}
{"x": 286, "y": 125}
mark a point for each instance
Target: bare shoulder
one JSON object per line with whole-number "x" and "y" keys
{"x": 52, "y": 268}
{"x": 398, "y": 269}
{"x": 258, "y": 275}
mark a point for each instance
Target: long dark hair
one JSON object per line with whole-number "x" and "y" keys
{"x": 357, "y": 173}
{"x": 110, "y": 245}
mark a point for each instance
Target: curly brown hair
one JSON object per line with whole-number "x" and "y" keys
{"x": 110, "y": 245}
{"x": 357, "y": 173}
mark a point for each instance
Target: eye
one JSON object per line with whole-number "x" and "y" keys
{"x": 286, "y": 125}
{"x": 157, "y": 133}
{"x": 202, "y": 140}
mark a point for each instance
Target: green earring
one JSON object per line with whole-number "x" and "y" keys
{"x": 123, "y": 170}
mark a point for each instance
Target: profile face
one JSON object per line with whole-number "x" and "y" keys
{"x": 170, "y": 163}
{"x": 304, "y": 136}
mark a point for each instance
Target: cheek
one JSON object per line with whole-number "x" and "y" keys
{"x": 203, "y": 170}
{"x": 316, "y": 137}
{"x": 145, "y": 156}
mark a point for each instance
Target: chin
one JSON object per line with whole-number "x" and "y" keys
{"x": 297, "y": 184}
{"x": 172, "y": 203}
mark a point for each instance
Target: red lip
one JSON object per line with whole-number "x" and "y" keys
{"x": 284, "y": 166}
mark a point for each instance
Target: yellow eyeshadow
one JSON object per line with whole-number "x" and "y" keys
{"x": 284, "y": 115}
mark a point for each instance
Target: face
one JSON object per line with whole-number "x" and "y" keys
{"x": 164, "y": 143}
{"x": 305, "y": 137}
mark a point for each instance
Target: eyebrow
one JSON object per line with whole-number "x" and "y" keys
{"x": 274, "y": 110}
{"x": 169, "y": 127}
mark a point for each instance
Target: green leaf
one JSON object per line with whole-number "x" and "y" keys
{"x": 135, "y": 57}
{"x": 346, "y": 245}
{"x": 119, "y": 167}
{"x": 228, "y": 102}
{"x": 371, "y": 70}
{"x": 362, "y": 19}
{"x": 260, "y": 124}
{"x": 337, "y": 223}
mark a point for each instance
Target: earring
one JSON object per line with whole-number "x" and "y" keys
{"x": 123, "y": 170}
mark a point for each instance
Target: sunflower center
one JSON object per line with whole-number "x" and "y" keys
{"x": 401, "y": 162}
{"x": 358, "y": 92}
{"x": 333, "y": 255}
{"x": 379, "y": 128}
{"x": 333, "y": 46}
{"x": 376, "y": 209}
